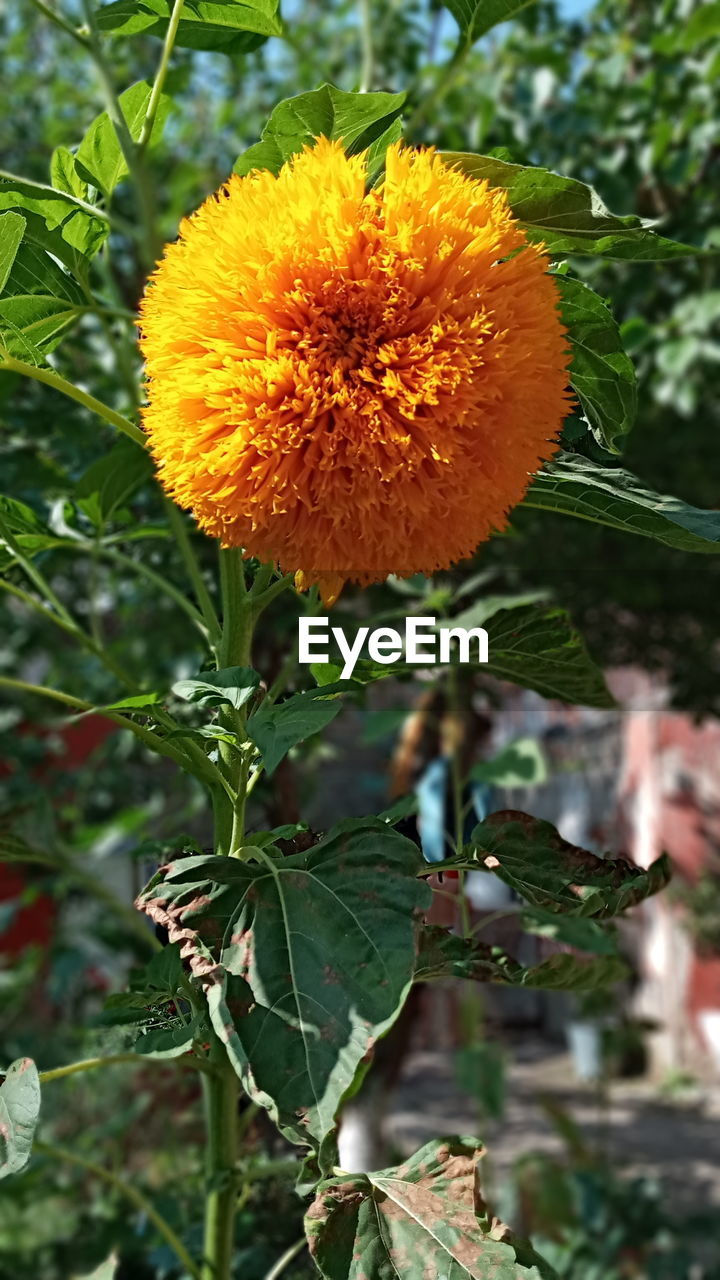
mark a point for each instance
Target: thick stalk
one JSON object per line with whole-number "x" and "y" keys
{"x": 221, "y": 1119}
{"x": 221, "y": 1091}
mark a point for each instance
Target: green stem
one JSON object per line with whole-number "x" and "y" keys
{"x": 192, "y": 565}
{"x": 457, "y": 781}
{"x": 160, "y": 75}
{"x": 187, "y": 1062}
{"x": 286, "y": 1259}
{"x": 55, "y": 380}
{"x": 60, "y": 22}
{"x": 221, "y": 1118}
{"x": 366, "y": 43}
{"x": 132, "y": 1194}
{"x": 447, "y": 78}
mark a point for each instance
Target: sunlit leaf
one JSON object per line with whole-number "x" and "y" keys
{"x": 99, "y": 157}
{"x": 19, "y": 1113}
{"x": 226, "y": 26}
{"x": 12, "y": 230}
{"x": 476, "y": 17}
{"x": 361, "y": 120}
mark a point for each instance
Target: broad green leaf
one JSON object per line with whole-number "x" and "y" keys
{"x": 361, "y": 120}
{"x": 566, "y": 215}
{"x": 276, "y": 729}
{"x": 231, "y": 686}
{"x": 476, "y": 17}
{"x": 538, "y": 648}
{"x": 99, "y": 157}
{"x": 64, "y": 175}
{"x": 601, "y": 373}
{"x": 59, "y": 221}
{"x": 549, "y": 872}
{"x": 39, "y": 304}
{"x": 19, "y": 1113}
{"x": 520, "y": 764}
{"x": 442, "y": 954}
{"x": 111, "y": 481}
{"x": 12, "y": 230}
{"x": 573, "y": 931}
{"x": 30, "y": 533}
{"x": 225, "y": 26}
{"x": 574, "y": 486}
{"x": 422, "y": 1220}
{"x": 307, "y": 959}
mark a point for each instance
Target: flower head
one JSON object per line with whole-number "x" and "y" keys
{"x": 353, "y": 383}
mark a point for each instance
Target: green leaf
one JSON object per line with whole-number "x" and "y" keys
{"x": 225, "y": 26}
{"x": 276, "y": 729}
{"x": 700, "y": 25}
{"x": 111, "y": 481}
{"x": 39, "y": 304}
{"x": 362, "y": 120}
{"x": 549, "y": 872}
{"x": 233, "y": 686}
{"x": 12, "y": 230}
{"x": 442, "y": 954}
{"x": 476, "y": 17}
{"x": 28, "y": 531}
{"x": 99, "y": 159}
{"x": 424, "y": 1218}
{"x": 537, "y": 648}
{"x": 135, "y": 702}
{"x": 574, "y": 486}
{"x": 601, "y": 373}
{"x": 573, "y": 931}
{"x": 520, "y": 764}
{"x": 64, "y": 175}
{"x": 307, "y": 959}
{"x": 19, "y": 1113}
{"x": 567, "y": 216}
{"x": 167, "y": 1042}
{"x": 58, "y": 222}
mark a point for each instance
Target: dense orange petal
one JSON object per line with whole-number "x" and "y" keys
{"x": 353, "y": 384}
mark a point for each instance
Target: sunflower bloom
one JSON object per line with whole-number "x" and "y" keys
{"x": 351, "y": 384}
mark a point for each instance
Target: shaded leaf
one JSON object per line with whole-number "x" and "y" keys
{"x": 443, "y": 954}
{"x": 566, "y": 215}
{"x": 476, "y": 17}
{"x": 538, "y": 648}
{"x": 12, "y": 230}
{"x": 231, "y": 686}
{"x": 307, "y": 959}
{"x": 520, "y": 764}
{"x": 360, "y": 120}
{"x": 39, "y": 304}
{"x": 547, "y": 871}
{"x": 167, "y": 1042}
{"x": 276, "y": 729}
{"x": 574, "y": 931}
{"x": 574, "y": 486}
{"x": 226, "y": 26}
{"x": 30, "y": 533}
{"x": 602, "y": 375}
{"x": 19, "y": 1113}
{"x": 99, "y": 158}
{"x": 423, "y": 1218}
{"x": 112, "y": 480}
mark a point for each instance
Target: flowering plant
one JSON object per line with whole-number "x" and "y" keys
{"x": 361, "y": 355}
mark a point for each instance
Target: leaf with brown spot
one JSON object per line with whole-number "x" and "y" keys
{"x": 442, "y": 954}
{"x": 298, "y": 962}
{"x": 424, "y": 1220}
{"x": 531, "y": 856}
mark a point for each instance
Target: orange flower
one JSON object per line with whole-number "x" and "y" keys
{"x": 353, "y": 384}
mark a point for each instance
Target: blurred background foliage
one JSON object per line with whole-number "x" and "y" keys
{"x": 622, "y": 94}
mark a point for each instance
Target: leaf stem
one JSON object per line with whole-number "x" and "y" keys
{"x": 60, "y": 22}
{"x": 187, "y": 1062}
{"x": 55, "y": 380}
{"x": 131, "y": 1193}
{"x": 286, "y": 1259}
{"x": 44, "y": 186}
{"x": 160, "y": 75}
